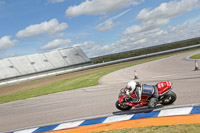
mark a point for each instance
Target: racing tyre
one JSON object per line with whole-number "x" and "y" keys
{"x": 152, "y": 103}
{"x": 169, "y": 98}
{"x": 122, "y": 107}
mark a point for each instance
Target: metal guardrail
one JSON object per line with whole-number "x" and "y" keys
{"x": 93, "y": 66}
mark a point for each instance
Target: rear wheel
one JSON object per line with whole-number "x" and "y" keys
{"x": 153, "y": 102}
{"x": 168, "y": 98}
{"x": 122, "y": 107}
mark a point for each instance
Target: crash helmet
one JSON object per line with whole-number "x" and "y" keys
{"x": 131, "y": 85}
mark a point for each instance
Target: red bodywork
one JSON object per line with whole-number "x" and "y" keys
{"x": 162, "y": 87}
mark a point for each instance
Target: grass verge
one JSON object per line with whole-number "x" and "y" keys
{"x": 196, "y": 56}
{"x": 182, "y": 128}
{"x": 86, "y": 80}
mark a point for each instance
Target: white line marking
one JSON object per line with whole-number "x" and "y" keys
{"x": 68, "y": 125}
{"x": 26, "y": 131}
{"x": 178, "y": 111}
{"x": 117, "y": 118}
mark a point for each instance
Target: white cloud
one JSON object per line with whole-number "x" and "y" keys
{"x": 6, "y": 42}
{"x": 56, "y": 44}
{"x": 99, "y": 7}
{"x": 160, "y": 16}
{"x": 55, "y": 1}
{"x": 146, "y": 26}
{"x": 137, "y": 2}
{"x": 150, "y": 31}
{"x": 167, "y": 10}
{"x": 109, "y": 24}
{"x": 90, "y": 48}
{"x": 187, "y": 30}
{"x": 124, "y": 44}
{"x": 95, "y": 48}
{"x": 49, "y": 27}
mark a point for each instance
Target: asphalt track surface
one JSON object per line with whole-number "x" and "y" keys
{"x": 100, "y": 100}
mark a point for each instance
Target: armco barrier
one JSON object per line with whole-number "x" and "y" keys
{"x": 188, "y": 110}
{"x": 96, "y": 65}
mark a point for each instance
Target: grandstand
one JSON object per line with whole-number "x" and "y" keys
{"x": 22, "y": 65}
{"x": 71, "y": 56}
{"x": 61, "y": 59}
{"x": 40, "y": 62}
{"x": 7, "y": 69}
{"x": 56, "y": 59}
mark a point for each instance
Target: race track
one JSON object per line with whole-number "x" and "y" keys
{"x": 100, "y": 100}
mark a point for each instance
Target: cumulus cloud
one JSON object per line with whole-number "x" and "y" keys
{"x": 95, "y": 48}
{"x": 151, "y": 32}
{"x": 167, "y": 10}
{"x": 91, "y": 48}
{"x": 49, "y": 27}
{"x": 160, "y": 16}
{"x": 186, "y": 30}
{"x": 146, "y": 26}
{"x": 99, "y": 7}
{"x": 56, "y": 44}
{"x": 6, "y": 43}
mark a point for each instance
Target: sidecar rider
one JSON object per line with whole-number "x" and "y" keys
{"x": 142, "y": 89}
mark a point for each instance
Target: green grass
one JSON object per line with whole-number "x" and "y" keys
{"x": 68, "y": 84}
{"x": 196, "y": 56}
{"x": 75, "y": 82}
{"x": 186, "y": 128}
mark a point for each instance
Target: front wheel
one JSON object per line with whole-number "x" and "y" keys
{"x": 122, "y": 107}
{"x": 168, "y": 98}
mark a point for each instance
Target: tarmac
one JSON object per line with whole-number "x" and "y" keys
{"x": 64, "y": 107}
{"x": 153, "y": 117}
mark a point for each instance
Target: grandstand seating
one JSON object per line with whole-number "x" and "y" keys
{"x": 36, "y": 63}
{"x": 55, "y": 59}
{"x": 22, "y": 64}
{"x": 82, "y": 54}
{"x": 7, "y": 69}
{"x": 71, "y": 56}
{"x": 40, "y": 62}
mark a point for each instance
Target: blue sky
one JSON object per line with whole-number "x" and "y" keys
{"x": 99, "y": 27}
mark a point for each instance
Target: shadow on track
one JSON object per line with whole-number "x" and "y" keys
{"x": 137, "y": 110}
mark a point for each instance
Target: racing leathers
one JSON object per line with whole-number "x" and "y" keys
{"x": 131, "y": 87}
{"x": 142, "y": 89}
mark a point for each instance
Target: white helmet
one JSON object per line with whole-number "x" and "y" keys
{"x": 131, "y": 84}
